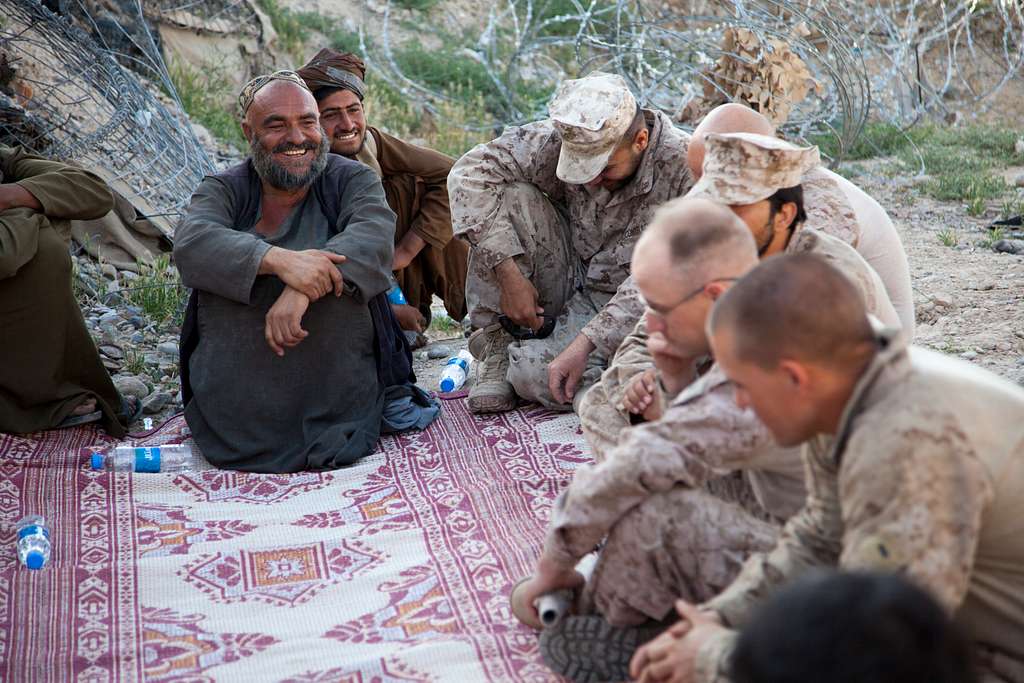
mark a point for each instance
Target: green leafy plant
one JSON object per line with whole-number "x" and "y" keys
{"x": 158, "y": 291}
{"x": 949, "y": 237}
{"x": 207, "y": 96}
{"x": 134, "y": 362}
{"x": 976, "y": 207}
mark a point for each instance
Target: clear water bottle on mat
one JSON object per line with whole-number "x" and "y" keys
{"x": 455, "y": 371}
{"x": 151, "y": 459}
{"x": 33, "y": 541}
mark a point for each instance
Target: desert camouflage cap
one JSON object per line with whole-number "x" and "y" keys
{"x": 743, "y": 168}
{"x": 591, "y": 114}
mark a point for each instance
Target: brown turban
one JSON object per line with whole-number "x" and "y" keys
{"x": 333, "y": 69}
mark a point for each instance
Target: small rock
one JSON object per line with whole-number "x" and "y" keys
{"x": 131, "y": 386}
{"x": 969, "y": 355}
{"x": 1009, "y": 246}
{"x": 138, "y": 338}
{"x": 1019, "y": 180}
{"x": 942, "y": 299}
{"x": 111, "y": 351}
{"x": 110, "y": 364}
{"x": 129, "y": 275}
{"x": 155, "y": 402}
{"x": 440, "y": 351}
{"x": 1018, "y": 146}
{"x": 108, "y": 271}
{"x": 168, "y": 348}
{"x": 109, "y": 319}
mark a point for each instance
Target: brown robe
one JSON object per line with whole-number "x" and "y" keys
{"x": 416, "y": 185}
{"x": 49, "y": 362}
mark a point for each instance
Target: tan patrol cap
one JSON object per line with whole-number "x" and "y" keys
{"x": 591, "y": 114}
{"x": 743, "y": 168}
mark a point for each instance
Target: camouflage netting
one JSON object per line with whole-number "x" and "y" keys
{"x": 64, "y": 96}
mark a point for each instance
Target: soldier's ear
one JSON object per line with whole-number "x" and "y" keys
{"x": 795, "y": 373}
{"x": 641, "y": 140}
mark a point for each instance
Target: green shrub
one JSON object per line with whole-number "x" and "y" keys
{"x": 208, "y": 97}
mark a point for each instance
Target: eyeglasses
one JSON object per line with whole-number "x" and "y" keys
{"x": 667, "y": 311}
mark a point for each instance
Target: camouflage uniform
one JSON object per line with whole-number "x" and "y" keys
{"x": 925, "y": 476}
{"x": 743, "y": 168}
{"x": 573, "y": 242}
{"x": 601, "y": 414}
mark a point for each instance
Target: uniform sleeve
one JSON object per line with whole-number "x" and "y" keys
{"x": 913, "y": 499}
{"x": 631, "y": 359}
{"x": 613, "y": 322}
{"x": 366, "y": 235}
{"x": 477, "y": 184}
{"x": 66, "y": 192}
{"x": 811, "y": 538}
{"x": 693, "y": 442}
{"x": 210, "y": 253}
{"x": 433, "y": 221}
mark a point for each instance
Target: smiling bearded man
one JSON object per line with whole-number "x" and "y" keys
{"x": 287, "y": 252}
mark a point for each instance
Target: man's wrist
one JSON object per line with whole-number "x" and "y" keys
{"x": 271, "y": 261}
{"x": 584, "y": 344}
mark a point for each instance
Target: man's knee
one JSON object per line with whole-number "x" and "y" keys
{"x": 50, "y": 263}
{"x": 600, "y": 420}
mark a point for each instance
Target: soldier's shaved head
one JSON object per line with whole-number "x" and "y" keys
{"x": 795, "y": 306}
{"x": 727, "y": 118}
{"x": 700, "y": 240}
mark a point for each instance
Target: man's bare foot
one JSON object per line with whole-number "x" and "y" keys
{"x": 85, "y": 407}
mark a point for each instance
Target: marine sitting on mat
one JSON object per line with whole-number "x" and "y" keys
{"x": 915, "y": 464}
{"x": 551, "y": 211}
{"x": 673, "y": 529}
{"x": 51, "y": 375}
{"x": 428, "y": 261}
{"x": 626, "y": 392}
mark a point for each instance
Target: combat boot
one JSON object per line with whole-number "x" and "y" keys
{"x": 491, "y": 392}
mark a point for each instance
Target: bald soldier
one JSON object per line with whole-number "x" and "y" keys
{"x": 760, "y": 178}
{"x": 915, "y": 465}
{"x": 669, "y": 532}
{"x": 551, "y": 211}
{"x": 287, "y": 252}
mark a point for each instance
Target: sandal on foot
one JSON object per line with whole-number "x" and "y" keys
{"x": 587, "y": 649}
{"x": 76, "y": 420}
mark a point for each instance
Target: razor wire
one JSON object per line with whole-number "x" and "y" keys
{"x": 65, "y": 96}
{"x": 892, "y": 60}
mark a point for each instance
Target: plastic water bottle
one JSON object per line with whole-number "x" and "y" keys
{"x": 33, "y": 541}
{"x": 395, "y": 295}
{"x": 455, "y": 371}
{"x": 170, "y": 458}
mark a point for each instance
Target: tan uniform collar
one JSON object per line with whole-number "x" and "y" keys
{"x": 892, "y": 353}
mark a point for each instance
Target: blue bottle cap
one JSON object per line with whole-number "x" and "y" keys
{"x": 96, "y": 461}
{"x": 447, "y": 384}
{"x": 34, "y": 560}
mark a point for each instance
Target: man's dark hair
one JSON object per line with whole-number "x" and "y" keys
{"x": 851, "y": 628}
{"x": 639, "y": 123}
{"x": 786, "y": 195}
{"x": 320, "y": 94}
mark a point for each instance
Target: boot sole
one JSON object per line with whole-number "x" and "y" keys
{"x": 587, "y": 649}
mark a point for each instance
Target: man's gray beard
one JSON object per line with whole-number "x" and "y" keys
{"x": 280, "y": 177}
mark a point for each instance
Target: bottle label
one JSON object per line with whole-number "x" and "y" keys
{"x": 396, "y": 296}
{"x": 33, "y": 530}
{"x": 455, "y": 360}
{"x": 147, "y": 459}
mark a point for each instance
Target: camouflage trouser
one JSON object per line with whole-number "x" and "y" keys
{"x": 685, "y": 543}
{"x": 550, "y": 263}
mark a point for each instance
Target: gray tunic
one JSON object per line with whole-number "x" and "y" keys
{"x": 320, "y": 405}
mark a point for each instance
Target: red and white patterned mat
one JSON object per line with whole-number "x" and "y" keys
{"x": 395, "y": 569}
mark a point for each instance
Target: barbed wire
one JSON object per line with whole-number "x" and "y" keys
{"x": 898, "y": 61}
{"x": 65, "y": 95}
